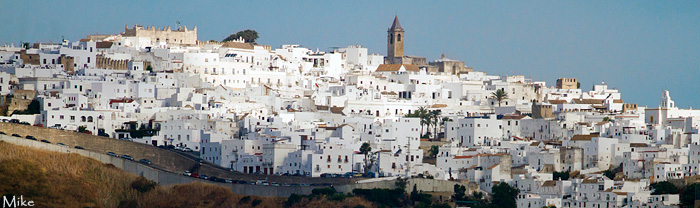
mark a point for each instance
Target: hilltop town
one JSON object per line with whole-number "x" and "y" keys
{"x": 294, "y": 111}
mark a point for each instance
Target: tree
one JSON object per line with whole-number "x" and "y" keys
{"x": 421, "y": 113}
{"x": 248, "y": 35}
{"x": 149, "y": 68}
{"x": 504, "y": 195}
{"x": 401, "y": 183}
{"x": 26, "y": 45}
{"x": 499, "y": 96}
{"x": 578, "y": 85}
{"x": 433, "y": 151}
{"x": 606, "y": 119}
{"x": 688, "y": 195}
{"x": 82, "y": 129}
{"x": 664, "y": 187}
{"x": 459, "y": 192}
{"x": 435, "y": 120}
{"x": 560, "y": 175}
{"x": 34, "y": 107}
{"x": 365, "y": 149}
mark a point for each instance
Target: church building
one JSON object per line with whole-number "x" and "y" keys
{"x": 395, "y": 39}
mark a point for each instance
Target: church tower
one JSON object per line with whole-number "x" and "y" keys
{"x": 395, "y": 40}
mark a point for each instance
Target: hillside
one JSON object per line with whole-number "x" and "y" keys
{"x": 53, "y": 179}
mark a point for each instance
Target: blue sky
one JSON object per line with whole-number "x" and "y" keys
{"x": 638, "y": 47}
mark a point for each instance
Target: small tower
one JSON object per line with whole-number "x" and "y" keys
{"x": 395, "y": 40}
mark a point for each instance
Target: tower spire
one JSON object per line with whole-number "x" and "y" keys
{"x": 396, "y": 25}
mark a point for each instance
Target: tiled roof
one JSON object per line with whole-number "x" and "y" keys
{"x": 104, "y": 44}
{"x": 397, "y": 67}
{"x": 557, "y": 101}
{"x": 549, "y": 183}
{"x": 233, "y": 44}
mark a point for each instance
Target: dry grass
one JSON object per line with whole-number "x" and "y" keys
{"x": 62, "y": 180}
{"x": 53, "y": 179}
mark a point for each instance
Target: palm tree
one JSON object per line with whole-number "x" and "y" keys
{"x": 499, "y": 95}
{"x": 421, "y": 113}
{"x": 434, "y": 115}
{"x": 366, "y": 149}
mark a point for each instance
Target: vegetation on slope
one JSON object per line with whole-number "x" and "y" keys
{"x": 53, "y": 179}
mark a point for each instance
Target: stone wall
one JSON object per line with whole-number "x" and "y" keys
{"x": 180, "y": 36}
{"x": 567, "y": 83}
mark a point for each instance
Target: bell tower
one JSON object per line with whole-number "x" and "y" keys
{"x": 395, "y": 40}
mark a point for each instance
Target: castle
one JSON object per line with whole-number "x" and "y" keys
{"x": 181, "y": 36}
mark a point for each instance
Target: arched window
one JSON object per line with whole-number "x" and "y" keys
{"x": 82, "y": 118}
{"x": 391, "y": 39}
{"x": 398, "y": 37}
{"x": 89, "y": 119}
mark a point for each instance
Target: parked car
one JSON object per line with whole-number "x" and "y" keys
{"x": 145, "y": 161}
{"x": 187, "y": 173}
{"x": 38, "y": 125}
{"x": 45, "y": 141}
{"x": 112, "y": 154}
{"x": 3, "y": 133}
{"x": 187, "y": 149}
{"x": 16, "y": 135}
{"x": 79, "y": 147}
{"x": 24, "y": 123}
{"x": 228, "y": 180}
{"x": 205, "y": 177}
{"x": 30, "y": 137}
{"x": 194, "y": 175}
{"x": 178, "y": 148}
{"x": 61, "y": 144}
{"x": 127, "y": 157}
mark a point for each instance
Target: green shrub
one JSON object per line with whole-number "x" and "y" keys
{"x": 384, "y": 197}
{"x": 337, "y": 197}
{"x": 244, "y": 200}
{"x": 323, "y": 191}
{"x": 143, "y": 185}
{"x": 293, "y": 199}
{"x": 256, "y": 202}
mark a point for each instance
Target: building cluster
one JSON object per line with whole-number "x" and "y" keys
{"x": 296, "y": 111}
